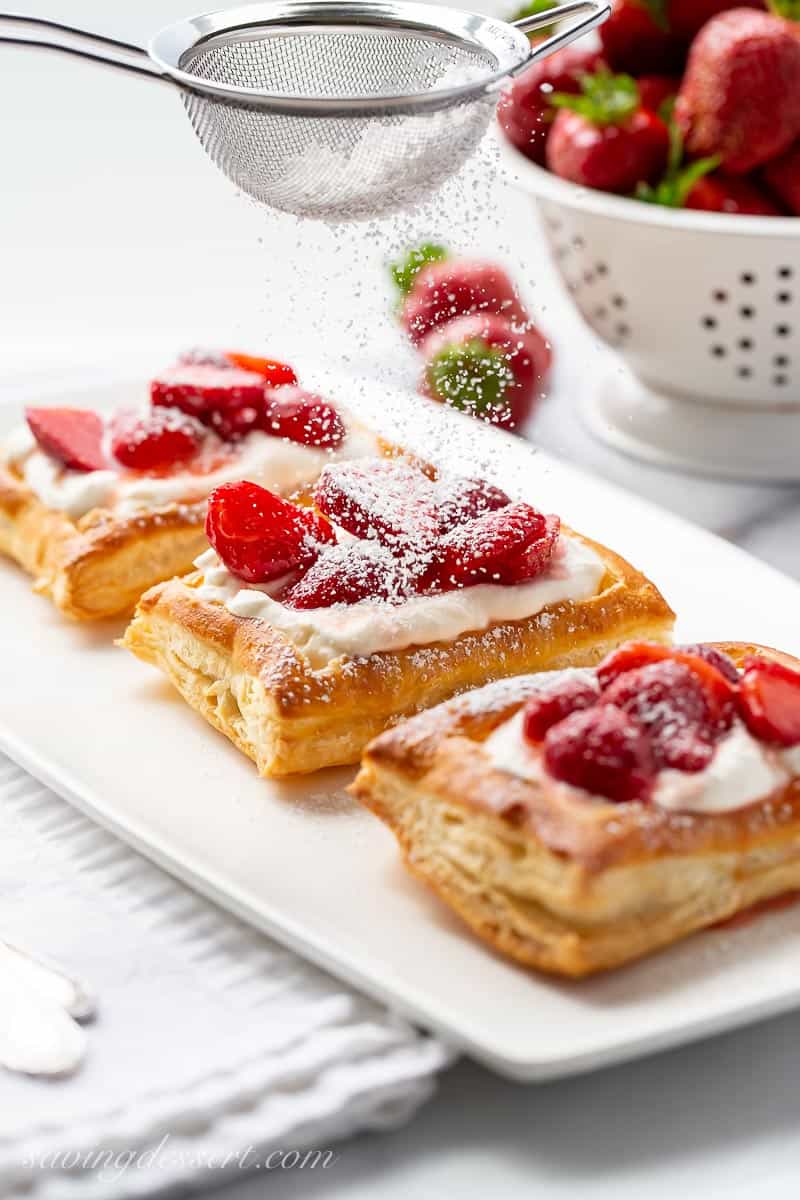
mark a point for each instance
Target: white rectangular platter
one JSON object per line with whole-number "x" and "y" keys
{"x": 302, "y": 862}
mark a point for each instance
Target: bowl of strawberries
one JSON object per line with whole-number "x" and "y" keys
{"x": 665, "y": 165}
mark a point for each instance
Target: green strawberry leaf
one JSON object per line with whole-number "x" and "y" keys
{"x": 605, "y": 99}
{"x": 673, "y": 190}
{"x": 406, "y": 270}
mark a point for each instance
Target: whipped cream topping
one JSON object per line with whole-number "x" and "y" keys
{"x": 260, "y": 458}
{"x": 742, "y": 771}
{"x": 374, "y": 626}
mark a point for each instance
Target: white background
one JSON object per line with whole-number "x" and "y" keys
{"x": 120, "y": 242}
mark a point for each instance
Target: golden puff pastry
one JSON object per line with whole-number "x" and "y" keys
{"x": 250, "y": 682}
{"x": 559, "y": 881}
{"x": 100, "y": 564}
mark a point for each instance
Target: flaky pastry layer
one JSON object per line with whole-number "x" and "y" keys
{"x": 248, "y": 680}
{"x": 555, "y": 881}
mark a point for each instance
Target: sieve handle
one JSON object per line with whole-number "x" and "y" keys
{"x": 597, "y": 12}
{"x": 94, "y": 46}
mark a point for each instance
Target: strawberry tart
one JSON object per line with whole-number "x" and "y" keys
{"x": 580, "y": 819}
{"x": 99, "y": 507}
{"x": 306, "y": 631}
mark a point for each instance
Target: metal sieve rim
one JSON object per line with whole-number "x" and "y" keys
{"x": 171, "y": 47}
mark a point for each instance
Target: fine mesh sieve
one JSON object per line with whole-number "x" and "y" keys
{"x": 338, "y": 111}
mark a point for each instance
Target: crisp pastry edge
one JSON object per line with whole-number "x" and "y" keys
{"x": 249, "y": 682}
{"x": 568, "y": 901}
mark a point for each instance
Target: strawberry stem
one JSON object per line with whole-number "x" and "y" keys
{"x": 406, "y": 270}
{"x": 605, "y": 99}
{"x": 673, "y": 190}
{"x": 473, "y": 377}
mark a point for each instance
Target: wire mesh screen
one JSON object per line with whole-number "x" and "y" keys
{"x": 339, "y": 167}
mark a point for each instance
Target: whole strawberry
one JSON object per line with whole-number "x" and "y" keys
{"x": 782, "y": 176}
{"x": 481, "y": 365}
{"x": 444, "y": 288}
{"x": 740, "y": 96}
{"x": 603, "y": 138}
{"x": 525, "y": 112}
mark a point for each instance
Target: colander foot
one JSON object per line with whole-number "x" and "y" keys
{"x": 705, "y": 439}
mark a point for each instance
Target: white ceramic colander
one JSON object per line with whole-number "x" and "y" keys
{"x": 704, "y": 309}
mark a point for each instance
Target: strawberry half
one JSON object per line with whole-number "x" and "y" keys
{"x": 603, "y": 751}
{"x": 770, "y": 699}
{"x": 300, "y": 416}
{"x": 72, "y": 436}
{"x": 508, "y": 546}
{"x": 460, "y": 500}
{"x": 547, "y": 707}
{"x": 346, "y": 574}
{"x": 383, "y": 499}
{"x": 227, "y": 399}
{"x": 261, "y": 537}
{"x": 158, "y": 439}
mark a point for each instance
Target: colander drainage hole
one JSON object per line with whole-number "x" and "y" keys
{"x": 745, "y": 343}
{"x": 780, "y": 360}
{"x": 709, "y": 322}
{"x": 747, "y": 277}
{"x": 720, "y": 296}
{"x": 783, "y": 330}
{"x": 779, "y": 380}
{"x": 784, "y": 297}
{"x": 618, "y": 301}
{"x": 747, "y": 312}
{"x": 744, "y": 372}
{"x": 719, "y": 351}
{"x": 785, "y": 272}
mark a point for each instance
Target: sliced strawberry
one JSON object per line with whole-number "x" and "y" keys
{"x": 538, "y": 554}
{"x": 497, "y": 547}
{"x": 715, "y": 658}
{"x": 259, "y": 536}
{"x": 669, "y": 702}
{"x": 459, "y": 500}
{"x": 770, "y": 699}
{"x": 228, "y": 400}
{"x": 552, "y": 704}
{"x": 154, "y": 440}
{"x": 272, "y": 371}
{"x": 346, "y": 574}
{"x": 603, "y": 751}
{"x": 301, "y": 416}
{"x": 384, "y": 499}
{"x": 629, "y": 657}
{"x": 73, "y": 436}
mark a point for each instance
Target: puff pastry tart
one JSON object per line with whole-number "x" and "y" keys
{"x": 98, "y": 508}
{"x": 579, "y": 819}
{"x": 304, "y": 634}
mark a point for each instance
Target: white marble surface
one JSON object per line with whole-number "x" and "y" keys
{"x": 120, "y": 242}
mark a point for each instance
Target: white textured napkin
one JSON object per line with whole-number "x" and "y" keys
{"x": 209, "y": 1035}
